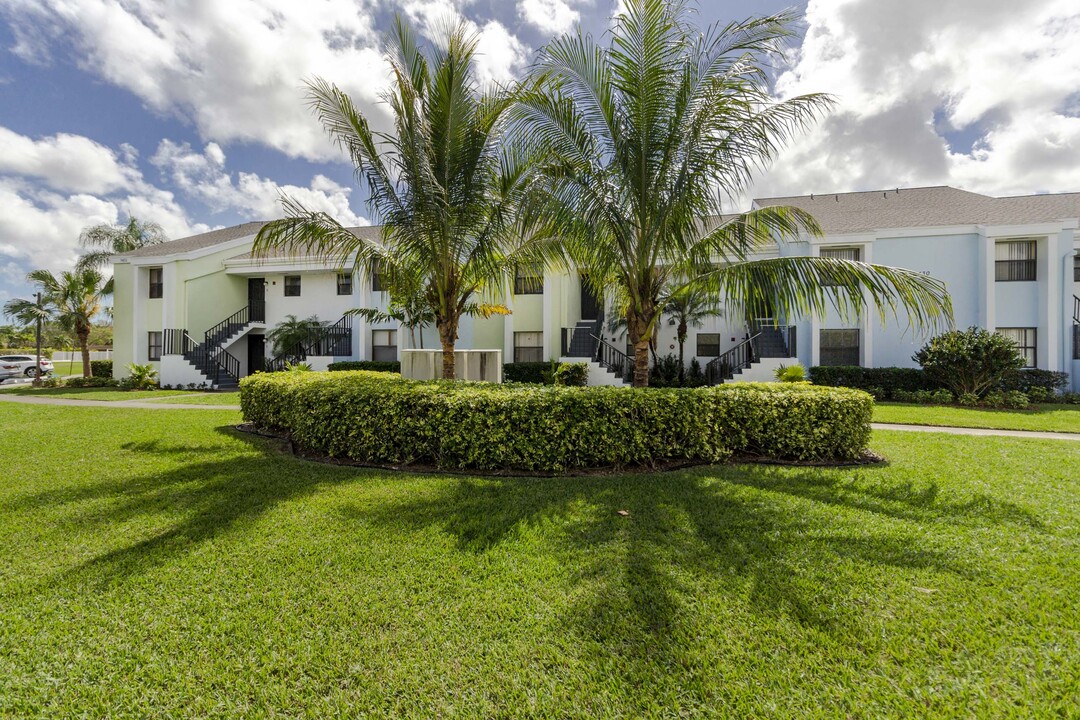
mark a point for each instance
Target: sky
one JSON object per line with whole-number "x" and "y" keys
{"x": 190, "y": 113}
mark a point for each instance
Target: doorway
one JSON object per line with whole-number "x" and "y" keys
{"x": 256, "y": 353}
{"x": 590, "y": 304}
{"x": 257, "y": 299}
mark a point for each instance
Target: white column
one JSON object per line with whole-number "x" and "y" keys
{"x": 552, "y": 329}
{"x": 987, "y": 315}
{"x": 508, "y": 321}
{"x": 867, "y": 322}
{"x": 1048, "y": 352}
{"x": 170, "y": 296}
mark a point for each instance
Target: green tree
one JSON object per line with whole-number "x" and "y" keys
{"x": 969, "y": 361}
{"x": 444, "y": 187}
{"x": 688, "y": 306}
{"x": 408, "y": 307}
{"x": 105, "y": 241}
{"x": 644, "y": 137}
{"x": 291, "y": 332}
{"x": 71, "y": 300}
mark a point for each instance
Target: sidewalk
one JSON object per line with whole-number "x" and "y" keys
{"x": 1029, "y": 434}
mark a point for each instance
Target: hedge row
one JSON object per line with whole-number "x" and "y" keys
{"x": 885, "y": 383}
{"x": 539, "y": 373}
{"x": 372, "y": 365}
{"x": 101, "y": 368}
{"x": 384, "y": 420}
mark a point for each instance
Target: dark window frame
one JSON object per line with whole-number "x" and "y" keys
{"x": 344, "y": 281}
{"x": 1076, "y": 268}
{"x": 839, "y": 354}
{"x": 151, "y": 346}
{"x": 384, "y": 353}
{"x": 1017, "y": 270}
{"x": 702, "y": 350}
{"x": 378, "y": 278}
{"x": 528, "y": 280}
{"x": 157, "y": 287}
{"x": 529, "y": 353}
{"x": 290, "y": 284}
{"x": 1033, "y": 358}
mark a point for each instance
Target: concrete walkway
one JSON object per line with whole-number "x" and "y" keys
{"x": 142, "y": 404}
{"x": 985, "y": 432}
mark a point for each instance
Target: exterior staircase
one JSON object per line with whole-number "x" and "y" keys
{"x": 328, "y": 341}
{"x": 755, "y": 359}
{"x": 209, "y": 357}
{"x": 584, "y": 343}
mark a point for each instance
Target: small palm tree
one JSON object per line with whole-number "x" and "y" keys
{"x": 291, "y": 332}
{"x": 642, "y": 139}
{"x": 444, "y": 187}
{"x": 71, "y": 300}
{"x": 688, "y": 306}
{"x": 105, "y": 241}
{"x": 407, "y": 307}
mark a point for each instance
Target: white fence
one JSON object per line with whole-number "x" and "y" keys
{"x": 76, "y": 356}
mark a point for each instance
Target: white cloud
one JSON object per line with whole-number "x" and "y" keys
{"x": 236, "y": 69}
{"x": 997, "y": 79}
{"x": 66, "y": 162}
{"x": 203, "y": 175}
{"x": 553, "y": 17}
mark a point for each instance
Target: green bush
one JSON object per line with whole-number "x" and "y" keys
{"x": 924, "y": 397}
{"x": 140, "y": 377}
{"x": 376, "y": 418}
{"x": 390, "y": 367}
{"x": 539, "y": 373}
{"x": 90, "y": 382}
{"x": 968, "y": 400}
{"x": 790, "y": 373}
{"x": 1016, "y": 399}
{"x": 883, "y": 383}
{"x": 969, "y": 361}
{"x": 101, "y": 368}
{"x": 1032, "y": 379}
{"x": 572, "y": 374}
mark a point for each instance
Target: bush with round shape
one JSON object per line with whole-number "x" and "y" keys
{"x": 1016, "y": 400}
{"x": 790, "y": 373}
{"x": 969, "y": 361}
{"x": 101, "y": 368}
{"x": 381, "y": 419}
{"x": 572, "y": 374}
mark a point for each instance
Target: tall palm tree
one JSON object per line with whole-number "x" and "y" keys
{"x": 105, "y": 241}
{"x": 441, "y": 183}
{"x": 689, "y": 306}
{"x": 71, "y": 300}
{"x": 646, "y": 135}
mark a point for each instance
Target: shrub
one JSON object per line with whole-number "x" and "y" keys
{"x": 540, "y": 373}
{"x": 790, "y": 373}
{"x": 1016, "y": 399}
{"x": 968, "y": 400}
{"x": 1030, "y": 379}
{"x": 572, "y": 374}
{"x": 994, "y": 399}
{"x": 1070, "y": 398}
{"x": 695, "y": 377}
{"x": 379, "y": 419}
{"x": 883, "y": 381}
{"x": 392, "y": 367}
{"x": 140, "y": 377}
{"x": 91, "y": 382}
{"x": 924, "y": 397}
{"x": 52, "y": 382}
{"x": 1040, "y": 395}
{"x": 969, "y": 361}
{"x": 298, "y": 367}
{"x": 664, "y": 372}
{"x": 101, "y": 368}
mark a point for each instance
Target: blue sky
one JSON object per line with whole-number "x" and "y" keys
{"x": 191, "y": 114}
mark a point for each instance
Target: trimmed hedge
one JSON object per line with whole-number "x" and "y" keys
{"x": 384, "y": 420}
{"x": 538, "y": 373}
{"x": 373, "y": 366}
{"x": 882, "y": 383}
{"x": 101, "y": 368}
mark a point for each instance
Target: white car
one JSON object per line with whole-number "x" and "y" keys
{"x": 22, "y": 366}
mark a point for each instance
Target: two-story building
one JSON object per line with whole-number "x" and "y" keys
{"x": 199, "y": 308}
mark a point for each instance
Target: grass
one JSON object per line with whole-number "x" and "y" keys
{"x": 108, "y": 394}
{"x": 63, "y": 369}
{"x": 171, "y": 567}
{"x": 215, "y": 398}
{"x": 1046, "y": 418}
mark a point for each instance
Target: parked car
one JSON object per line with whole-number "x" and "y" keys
{"x": 22, "y": 365}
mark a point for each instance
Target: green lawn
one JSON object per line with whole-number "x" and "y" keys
{"x": 93, "y": 393}
{"x": 216, "y": 398}
{"x": 64, "y": 369}
{"x": 1047, "y": 418}
{"x": 157, "y": 563}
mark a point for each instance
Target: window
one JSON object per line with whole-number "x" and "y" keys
{"x": 292, "y": 286}
{"x": 384, "y": 345}
{"x": 378, "y": 278}
{"x": 529, "y": 280}
{"x": 153, "y": 346}
{"x": 528, "y": 347}
{"x": 708, "y": 344}
{"x": 1076, "y": 268}
{"x": 344, "y": 284}
{"x": 1014, "y": 261}
{"x": 157, "y": 286}
{"x": 844, "y": 253}
{"x": 839, "y": 347}
{"x": 1025, "y": 341}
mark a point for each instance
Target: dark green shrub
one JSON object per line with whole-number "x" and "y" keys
{"x": 924, "y": 397}
{"x": 572, "y": 374}
{"x": 1030, "y": 379}
{"x": 390, "y": 367}
{"x": 101, "y": 368}
{"x": 540, "y": 373}
{"x": 695, "y": 377}
{"x": 885, "y": 382}
{"x": 380, "y": 419}
{"x": 968, "y": 400}
{"x": 140, "y": 377}
{"x": 664, "y": 372}
{"x": 969, "y": 361}
{"x": 1015, "y": 399}
{"x": 90, "y": 382}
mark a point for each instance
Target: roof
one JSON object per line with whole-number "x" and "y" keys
{"x": 197, "y": 242}
{"x": 855, "y": 212}
{"x": 367, "y": 232}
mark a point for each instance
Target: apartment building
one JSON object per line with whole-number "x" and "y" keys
{"x": 199, "y": 308}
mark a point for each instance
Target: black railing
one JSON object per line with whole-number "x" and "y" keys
{"x": 228, "y": 327}
{"x": 611, "y": 358}
{"x": 1076, "y": 327}
{"x": 327, "y": 340}
{"x": 173, "y": 342}
{"x": 1076, "y": 310}
{"x": 734, "y": 360}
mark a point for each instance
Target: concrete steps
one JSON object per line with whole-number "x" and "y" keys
{"x": 598, "y": 374}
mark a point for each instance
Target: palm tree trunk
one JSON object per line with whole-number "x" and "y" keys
{"x": 642, "y": 345}
{"x": 681, "y": 332}
{"x": 84, "y": 346}
{"x": 448, "y": 337}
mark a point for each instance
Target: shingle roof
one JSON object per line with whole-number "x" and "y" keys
{"x": 927, "y": 207}
{"x": 198, "y": 242}
{"x": 367, "y": 232}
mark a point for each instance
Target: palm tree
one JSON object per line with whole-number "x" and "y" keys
{"x": 441, "y": 183}
{"x": 645, "y": 136}
{"x": 408, "y": 307}
{"x": 105, "y": 241}
{"x": 71, "y": 300}
{"x": 291, "y": 332}
{"x": 689, "y": 306}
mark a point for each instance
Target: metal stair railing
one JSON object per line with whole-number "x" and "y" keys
{"x": 327, "y": 340}
{"x": 737, "y": 358}
{"x": 611, "y": 358}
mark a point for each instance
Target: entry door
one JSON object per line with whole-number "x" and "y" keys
{"x": 590, "y": 304}
{"x": 257, "y": 299}
{"x": 256, "y": 353}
